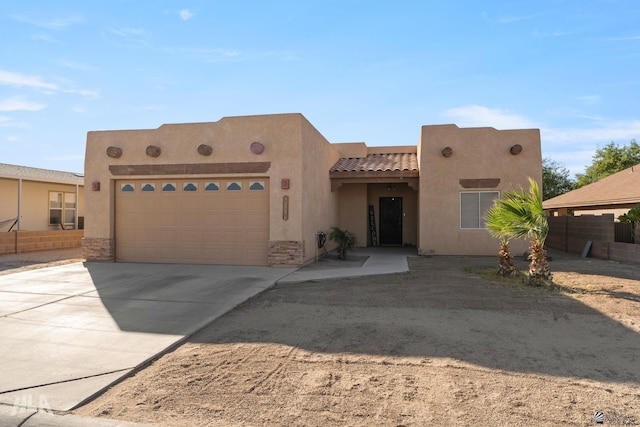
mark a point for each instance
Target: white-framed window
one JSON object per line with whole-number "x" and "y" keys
{"x": 473, "y": 206}
{"x": 62, "y": 208}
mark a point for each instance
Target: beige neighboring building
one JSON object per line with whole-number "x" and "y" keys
{"x": 40, "y": 199}
{"x": 256, "y": 190}
{"x": 614, "y": 194}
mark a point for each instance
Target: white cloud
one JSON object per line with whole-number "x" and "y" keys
{"x": 87, "y": 93}
{"x": 24, "y": 80}
{"x": 44, "y": 38}
{"x": 15, "y": 79}
{"x": 132, "y": 36}
{"x": 19, "y": 104}
{"x": 50, "y": 24}
{"x": 508, "y": 19}
{"x": 589, "y": 99}
{"x": 557, "y": 33}
{"x": 630, "y": 38}
{"x": 77, "y": 66}
{"x": 602, "y": 133}
{"x": 573, "y": 146}
{"x": 481, "y": 116}
{"x": 185, "y": 14}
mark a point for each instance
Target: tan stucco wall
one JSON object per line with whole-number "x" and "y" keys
{"x": 478, "y": 153}
{"x": 353, "y": 211}
{"x": 35, "y": 202}
{"x": 295, "y": 149}
{"x": 319, "y": 204}
{"x": 9, "y": 197}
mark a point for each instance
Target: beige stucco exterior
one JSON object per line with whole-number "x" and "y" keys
{"x": 293, "y": 150}
{"x": 30, "y": 197}
{"x": 481, "y": 154}
{"x": 306, "y": 193}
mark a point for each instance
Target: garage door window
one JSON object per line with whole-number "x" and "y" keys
{"x": 234, "y": 186}
{"x": 169, "y": 187}
{"x": 212, "y": 186}
{"x": 127, "y": 188}
{"x": 190, "y": 186}
{"x": 256, "y": 186}
{"x": 148, "y": 187}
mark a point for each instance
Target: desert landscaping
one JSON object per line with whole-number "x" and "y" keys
{"x": 440, "y": 345}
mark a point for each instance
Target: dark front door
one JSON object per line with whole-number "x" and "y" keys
{"x": 390, "y": 220}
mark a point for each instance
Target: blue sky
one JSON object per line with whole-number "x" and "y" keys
{"x": 358, "y": 70}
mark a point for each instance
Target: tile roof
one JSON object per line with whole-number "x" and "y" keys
{"x": 617, "y": 189}
{"x": 377, "y": 163}
{"x": 44, "y": 175}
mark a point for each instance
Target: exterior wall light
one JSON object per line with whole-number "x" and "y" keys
{"x": 447, "y": 151}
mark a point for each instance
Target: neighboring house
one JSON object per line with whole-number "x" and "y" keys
{"x": 40, "y": 209}
{"x": 40, "y": 199}
{"x": 256, "y": 190}
{"x": 614, "y": 194}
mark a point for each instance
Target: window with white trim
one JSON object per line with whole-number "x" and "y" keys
{"x": 62, "y": 208}
{"x": 473, "y": 206}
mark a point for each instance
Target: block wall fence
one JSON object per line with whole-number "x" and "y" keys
{"x": 17, "y": 242}
{"x": 571, "y": 234}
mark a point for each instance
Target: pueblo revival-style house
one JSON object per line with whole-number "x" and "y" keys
{"x": 257, "y": 190}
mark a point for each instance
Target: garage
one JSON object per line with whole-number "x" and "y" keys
{"x": 194, "y": 221}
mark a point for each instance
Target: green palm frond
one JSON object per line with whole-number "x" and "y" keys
{"x": 518, "y": 214}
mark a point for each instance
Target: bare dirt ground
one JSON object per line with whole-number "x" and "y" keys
{"x": 438, "y": 345}
{"x": 12, "y": 263}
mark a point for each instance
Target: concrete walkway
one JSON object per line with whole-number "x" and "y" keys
{"x": 381, "y": 260}
{"x": 70, "y": 331}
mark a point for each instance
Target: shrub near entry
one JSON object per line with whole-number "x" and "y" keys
{"x": 345, "y": 240}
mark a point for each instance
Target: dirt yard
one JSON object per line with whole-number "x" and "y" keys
{"x": 436, "y": 346}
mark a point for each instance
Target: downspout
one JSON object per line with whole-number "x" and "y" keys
{"x": 19, "y": 212}
{"x": 75, "y": 225}
{"x": 19, "y": 202}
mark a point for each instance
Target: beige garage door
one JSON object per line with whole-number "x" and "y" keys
{"x": 203, "y": 221}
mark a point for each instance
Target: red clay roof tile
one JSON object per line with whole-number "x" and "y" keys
{"x": 377, "y": 163}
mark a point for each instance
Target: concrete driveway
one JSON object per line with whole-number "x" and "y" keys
{"x": 69, "y": 331}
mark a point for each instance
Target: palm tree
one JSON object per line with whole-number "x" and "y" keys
{"x": 519, "y": 214}
{"x": 494, "y": 221}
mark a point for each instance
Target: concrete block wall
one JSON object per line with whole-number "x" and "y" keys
{"x": 17, "y": 242}
{"x": 571, "y": 233}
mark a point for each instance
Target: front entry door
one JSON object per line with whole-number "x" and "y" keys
{"x": 390, "y": 220}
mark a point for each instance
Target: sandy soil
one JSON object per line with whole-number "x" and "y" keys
{"x": 436, "y": 346}
{"x": 13, "y": 263}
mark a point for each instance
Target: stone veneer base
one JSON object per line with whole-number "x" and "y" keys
{"x": 285, "y": 252}
{"x": 98, "y": 249}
